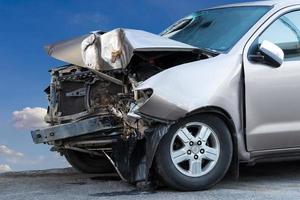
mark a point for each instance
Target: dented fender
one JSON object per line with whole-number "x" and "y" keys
{"x": 183, "y": 89}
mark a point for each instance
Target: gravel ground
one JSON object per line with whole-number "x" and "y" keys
{"x": 263, "y": 181}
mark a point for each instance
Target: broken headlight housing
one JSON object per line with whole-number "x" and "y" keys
{"x": 140, "y": 97}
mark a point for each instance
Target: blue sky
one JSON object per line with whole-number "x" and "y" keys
{"x": 28, "y": 25}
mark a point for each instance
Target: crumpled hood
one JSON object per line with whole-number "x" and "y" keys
{"x": 114, "y": 49}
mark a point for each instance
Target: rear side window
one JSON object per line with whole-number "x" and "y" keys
{"x": 285, "y": 32}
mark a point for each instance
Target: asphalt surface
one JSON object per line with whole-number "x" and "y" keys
{"x": 263, "y": 181}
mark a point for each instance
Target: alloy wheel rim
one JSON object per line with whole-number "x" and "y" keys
{"x": 195, "y": 149}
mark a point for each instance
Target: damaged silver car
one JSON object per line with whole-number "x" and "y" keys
{"x": 216, "y": 89}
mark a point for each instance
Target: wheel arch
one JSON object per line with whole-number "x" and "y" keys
{"x": 219, "y": 112}
{"x": 225, "y": 117}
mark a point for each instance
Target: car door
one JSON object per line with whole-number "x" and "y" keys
{"x": 272, "y": 95}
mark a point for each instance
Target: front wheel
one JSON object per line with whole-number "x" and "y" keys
{"x": 195, "y": 154}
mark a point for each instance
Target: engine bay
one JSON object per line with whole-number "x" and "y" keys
{"x": 77, "y": 92}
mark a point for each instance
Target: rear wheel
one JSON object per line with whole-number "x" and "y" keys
{"x": 87, "y": 163}
{"x": 195, "y": 154}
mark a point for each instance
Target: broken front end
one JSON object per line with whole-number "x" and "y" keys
{"x": 97, "y": 106}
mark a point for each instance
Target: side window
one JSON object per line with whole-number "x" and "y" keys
{"x": 285, "y": 32}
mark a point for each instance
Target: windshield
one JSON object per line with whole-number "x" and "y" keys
{"x": 216, "y": 29}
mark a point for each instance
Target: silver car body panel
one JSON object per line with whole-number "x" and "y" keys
{"x": 185, "y": 88}
{"x": 277, "y": 3}
{"x": 272, "y": 100}
{"x": 112, "y": 50}
{"x": 68, "y": 51}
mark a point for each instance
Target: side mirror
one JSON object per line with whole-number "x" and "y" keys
{"x": 270, "y": 54}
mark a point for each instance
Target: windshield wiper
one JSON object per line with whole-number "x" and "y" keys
{"x": 209, "y": 51}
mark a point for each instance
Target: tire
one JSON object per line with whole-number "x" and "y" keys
{"x": 87, "y": 163}
{"x": 214, "y": 160}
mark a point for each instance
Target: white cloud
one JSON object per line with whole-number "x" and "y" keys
{"x": 4, "y": 168}
{"x": 30, "y": 118}
{"x": 7, "y": 152}
{"x": 19, "y": 161}
{"x": 10, "y": 156}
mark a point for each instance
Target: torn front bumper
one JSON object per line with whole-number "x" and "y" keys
{"x": 99, "y": 124}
